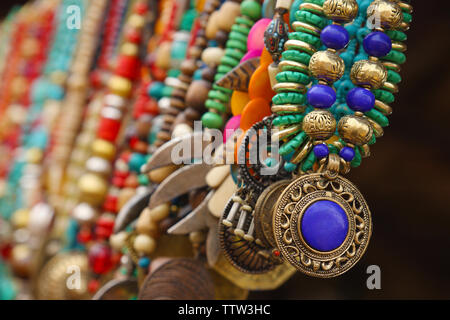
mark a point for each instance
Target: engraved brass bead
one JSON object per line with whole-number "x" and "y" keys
{"x": 355, "y": 130}
{"x": 319, "y": 124}
{"x": 387, "y": 14}
{"x": 369, "y": 74}
{"x": 326, "y": 66}
{"x": 340, "y": 10}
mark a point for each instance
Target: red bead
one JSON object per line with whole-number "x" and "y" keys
{"x": 128, "y": 66}
{"x": 118, "y": 182}
{"x": 110, "y": 204}
{"x": 276, "y": 253}
{"x": 141, "y": 8}
{"x": 100, "y": 258}
{"x": 108, "y": 129}
{"x": 134, "y": 36}
{"x": 93, "y": 286}
{"x": 84, "y": 235}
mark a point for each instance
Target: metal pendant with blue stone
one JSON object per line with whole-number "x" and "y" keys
{"x": 322, "y": 225}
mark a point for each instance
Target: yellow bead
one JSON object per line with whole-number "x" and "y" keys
{"x": 326, "y": 66}
{"x": 158, "y": 175}
{"x": 145, "y": 224}
{"x": 144, "y": 244}
{"x": 104, "y": 149}
{"x": 120, "y": 86}
{"x": 117, "y": 241}
{"x": 368, "y": 74}
{"x": 160, "y": 212}
{"x": 387, "y": 14}
{"x": 129, "y": 49}
{"x": 136, "y": 21}
{"x": 319, "y": 124}
{"x": 34, "y": 155}
{"x": 20, "y": 218}
{"x": 124, "y": 196}
{"x": 355, "y": 130}
{"x": 340, "y": 10}
{"x": 93, "y": 188}
{"x": 239, "y": 100}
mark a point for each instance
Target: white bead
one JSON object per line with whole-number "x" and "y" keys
{"x": 144, "y": 244}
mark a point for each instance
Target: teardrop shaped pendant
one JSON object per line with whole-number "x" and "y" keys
{"x": 322, "y": 225}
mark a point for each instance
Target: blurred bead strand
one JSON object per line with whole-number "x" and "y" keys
{"x": 236, "y": 48}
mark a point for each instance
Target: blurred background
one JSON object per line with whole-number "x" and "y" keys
{"x": 406, "y": 181}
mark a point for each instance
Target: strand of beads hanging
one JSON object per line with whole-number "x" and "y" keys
{"x": 357, "y": 131}
{"x": 293, "y": 76}
{"x": 327, "y": 67}
{"x": 236, "y": 48}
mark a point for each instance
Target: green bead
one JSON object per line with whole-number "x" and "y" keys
{"x": 394, "y": 77}
{"x": 318, "y": 2}
{"x": 244, "y": 22}
{"x": 293, "y": 144}
{"x": 216, "y": 105}
{"x": 384, "y": 95}
{"x": 216, "y": 94}
{"x": 224, "y": 69}
{"x": 234, "y": 44}
{"x": 240, "y": 29}
{"x": 143, "y": 180}
{"x": 311, "y": 18}
{"x": 396, "y": 35}
{"x": 289, "y": 98}
{"x": 407, "y": 17}
{"x": 305, "y": 37}
{"x": 292, "y": 76}
{"x": 297, "y": 56}
{"x": 238, "y": 55}
{"x": 237, "y": 36}
{"x": 356, "y": 162}
{"x": 251, "y": 9}
{"x": 309, "y": 162}
{"x": 288, "y": 119}
{"x": 378, "y": 117}
{"x": 212, "y": 120}
{"x": 229, "y": 61}
{"x": 395, "y": 56}
{"x": 224, "y": 90}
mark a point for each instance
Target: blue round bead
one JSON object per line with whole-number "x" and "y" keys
{"x": 321, "y": 151}
{"x": 137, "y": 160}
{"x": 377, "y": 44}
{"x": 144, "y": 262}
{"x": 324, "y": 225}
{"x": 321, "y": 96}
{"x": 335, "y": 36}
{"x": 347, "y": 154}
{"x": 360, "y": 99}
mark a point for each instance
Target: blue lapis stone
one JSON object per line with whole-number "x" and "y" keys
{"x": 321, "y": 96}
{"x": 360, "y": 99}
{"x": 347, "y": 153}
{"x": 321, "y": 151}
{"x": 324, "y": 225}
{"x": 377, "y": 44}
{"x": 335, "y": 36}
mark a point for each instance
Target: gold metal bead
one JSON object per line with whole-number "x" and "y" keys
{"x": 93, "y": 188}
{"x": 384, "y": 108}
{"x": 289, "y": 87}
{"x": 387, "y": 14}
{"x": 340, "y": 10}
{"x": 355, "y": 130}
{"x": 326, "y": 66}
{"x": 369, "y": 74}
{"x": 104, "y": 149}
{"x": 288, "y": 108}
{"x": 319, "y": 124}
{"x": 299, "y": 26}
{"x": 120, "y": 86}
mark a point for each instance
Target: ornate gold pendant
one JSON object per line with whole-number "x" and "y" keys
{"x": 322, "y": 226}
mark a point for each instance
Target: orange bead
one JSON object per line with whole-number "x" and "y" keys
{"x": 266, "y": 58}
{"x": 254, "y": 112}
{"x": 259, "y": 86}
{"x": 239, "y": 100}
